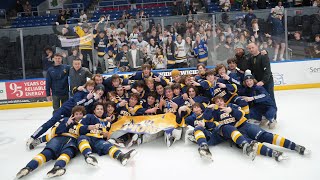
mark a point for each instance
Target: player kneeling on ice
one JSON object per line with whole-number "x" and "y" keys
{"x": 94, "y": 132}
{"x": 208, "y": 132}
{"x": 233, "y": 115}
{"x": 260, "y": 102}
{"x": 62, "y": 147}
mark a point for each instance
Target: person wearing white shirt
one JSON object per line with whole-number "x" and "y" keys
{"x": 279, "y": 9}
{"x": 83, "y": 17}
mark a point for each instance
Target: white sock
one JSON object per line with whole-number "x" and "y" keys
{"x": 281, "y": 56}
{"x": 275, "y": 56}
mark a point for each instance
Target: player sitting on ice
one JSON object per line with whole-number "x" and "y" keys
{"x": 93, "y": 139}
{"x": 129, "y": 107}
{"x": 84, "y": 98}
{"x": 62, "y": 147}
{"x": 207, "y": 132}
{"x": 169, "y": 104}
{"x": 260, "y": 102}
{"x": 233, "y": 115}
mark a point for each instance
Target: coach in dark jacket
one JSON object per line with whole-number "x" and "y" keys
{"x": 261, "y": 69}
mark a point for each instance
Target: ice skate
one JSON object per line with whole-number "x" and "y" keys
{"x": 272, "y": 124}
{"x": 250, "y": 149}
{"x": 205, "y": 152}
{"x": 169, "y": 139}
{"x": 23, "y": 172}
{"x": 90, "y": 159}
{"x": 263, "y": 122}
{"x": 302, "y": 150}
{"x": 189, "y": 135}
{"x": 124, "y": 158}
{"x": 56, "y": 171}
{"x": 279, "y": 156}
{"x": 191, "y": 138}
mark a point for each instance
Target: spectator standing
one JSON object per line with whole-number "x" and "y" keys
{"x": 193, "y": 8}
{"x": 245, "y": 6}
{"x": 19, "y": 7}
{"x": 66, "y": 33}
{"x": 298, "y": 46}
{"x": 175, "y": 10}
{"x": 158, "y": 60}
{"x": 122, "y": 59}
{"x": 248, "y": 19}
{"x": 83, "y": 16}
{"x": 85, "y": 45}
{"x": 241, "y": 58}
{"x": 135, "y": 57}
{"x": 225, "y": 5}
{"x": 316, "y": 3}
{"x": 192, "y": 61}
{"x": 57, "y": 85}
{"x": 100, "y": 44}
{"x": 278, "y": 35}
{"x": 74, "y": 55}
{"x": 200, "y": 50}
{"x": 47, "y": 61}
{"x": 69, "y": 13}
{"x": 62, "y": 18}
{"x": 315, "y": 49}
{"x": 279, "y": 9}
{"x": 133, "y": 4}
{"x": 27, "y": 9}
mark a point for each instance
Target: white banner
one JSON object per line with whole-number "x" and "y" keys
{"x": 76, "y": 41}
{"x": 3, "y": 92}
{"x": 55, "y": 4}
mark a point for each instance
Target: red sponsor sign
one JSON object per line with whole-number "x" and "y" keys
{"x": 26, "y": 89}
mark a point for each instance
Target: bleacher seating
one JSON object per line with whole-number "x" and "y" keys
{"x": 34, "y": 21}
{"x": 49, "y": 19}
{"x": 152, "y": 12}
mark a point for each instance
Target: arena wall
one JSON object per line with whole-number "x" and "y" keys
{"x": 288, "y": 75}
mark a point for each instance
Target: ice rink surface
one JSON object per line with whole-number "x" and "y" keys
{"x": 298, "y": 120}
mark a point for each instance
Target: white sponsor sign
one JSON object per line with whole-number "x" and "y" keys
{"x": 294, "y": 73}
{"x": 3, "y": 92}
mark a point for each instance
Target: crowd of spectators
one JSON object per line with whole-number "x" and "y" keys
{"x": 127, "y": 44}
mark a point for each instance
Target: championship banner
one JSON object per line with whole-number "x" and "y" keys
{"x": 23, "y": 91}
{"x": 143, "y": 124}
{"x": 76, "y": 41}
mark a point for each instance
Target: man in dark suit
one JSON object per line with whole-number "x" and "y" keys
{"x": 135, "y": 57}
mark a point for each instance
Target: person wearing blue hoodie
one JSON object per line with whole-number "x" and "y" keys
{"x": 57, "y": 85}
